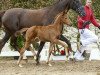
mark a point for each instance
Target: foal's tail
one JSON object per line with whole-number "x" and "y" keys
{"x": 17, "y": 33}
{"x": 1, "y": 14}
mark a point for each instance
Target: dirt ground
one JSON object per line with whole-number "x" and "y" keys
{"x": 8, "y": 66}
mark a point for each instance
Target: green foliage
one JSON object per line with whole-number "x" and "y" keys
{"x": 6, "y": 4}
{"x": 96, "y": 8}
{"x": 20, "y": 41}
{"x": 73, "y": 17}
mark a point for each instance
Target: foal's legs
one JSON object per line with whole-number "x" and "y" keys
{"x": 56, "y": 41}
{"x": 62, "y": 38}
{"x": 29, "y": 37}
{"x": 70, "y": 51}
{"x": 14, "y": 44}
{"x": 33, "y": 51}
{"x": 49, "y": 54}
{"x": 42, "y": 44}
{"x": 39, "y": 51}
{"x": 27, "y": 44}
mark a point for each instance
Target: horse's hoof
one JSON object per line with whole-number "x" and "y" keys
{"x": 47, "y": 62}
{"x": 20, "y": 65}
{"x": 71, "y": 59}
{"x": 37, "y": 63}
{"x": 34, "y": 57}
{"x": 66, "y": 60}
{"x": 49, "y": 65}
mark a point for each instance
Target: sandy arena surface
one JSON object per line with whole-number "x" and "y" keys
{"x": 8, "y": 66}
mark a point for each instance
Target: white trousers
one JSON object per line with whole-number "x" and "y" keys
{"x": 86, "y": 37}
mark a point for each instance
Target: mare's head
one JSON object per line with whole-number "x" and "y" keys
{"x": 60, "y": 6}
{"x": 76, "y": 5}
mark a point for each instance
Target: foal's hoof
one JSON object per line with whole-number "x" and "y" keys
{"x": 49, "y": 64}
{"x": 34, "y": 57}
{"x": 66, "y": 60}
{"x": 20, "y": 65}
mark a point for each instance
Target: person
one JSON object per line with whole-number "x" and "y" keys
{"x": 86, "y": 36}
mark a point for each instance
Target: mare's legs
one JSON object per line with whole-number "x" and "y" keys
{"x": 10, "y": 26}
{"x": 39, "y": 51}
{"x": 13, "y": 43}
{"x": 4, "y": 40}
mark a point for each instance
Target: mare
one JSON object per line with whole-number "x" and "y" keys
{"x": 17, "y": 18}
{"x": 49, "y": 33}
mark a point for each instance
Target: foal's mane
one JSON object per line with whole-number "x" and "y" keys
{"x": 59, "y": 16}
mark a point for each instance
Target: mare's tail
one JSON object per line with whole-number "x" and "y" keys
{"x": 1, "y": 14}
{"x": 17, "y": 33}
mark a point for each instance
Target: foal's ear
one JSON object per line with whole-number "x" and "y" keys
{"x": 64, "y": 12}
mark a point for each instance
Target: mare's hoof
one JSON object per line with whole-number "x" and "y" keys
{"x": 38, "y": 63}
{"x": 37, "y": 60}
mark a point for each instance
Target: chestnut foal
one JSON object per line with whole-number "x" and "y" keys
{"x": 48, "y": 33}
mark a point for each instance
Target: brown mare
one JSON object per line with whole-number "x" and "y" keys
{"x": 17, "y": 18}
{"x": 49, "y": 33}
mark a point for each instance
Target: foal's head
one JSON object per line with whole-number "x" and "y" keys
{"x": 65, "y": 19}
